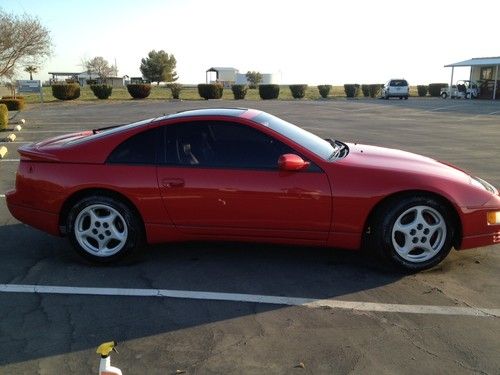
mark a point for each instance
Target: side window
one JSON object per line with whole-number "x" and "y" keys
{"x": 221, "y": 145}
{"x": 138, "y": 149}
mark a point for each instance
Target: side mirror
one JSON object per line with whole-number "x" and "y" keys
{"x": 292, "y": 162}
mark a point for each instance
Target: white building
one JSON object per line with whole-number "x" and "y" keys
{"x": 485, "y": 71}
{"x": 267, "y": 78}
{"x": 230, "y": 76}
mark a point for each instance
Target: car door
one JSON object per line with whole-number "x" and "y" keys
{"x": 222, "y": 178}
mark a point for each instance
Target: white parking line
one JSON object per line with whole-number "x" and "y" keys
{"x": 252, "y": 298}
{"x": 9, "y": 159}
{"x": 2, "y": 195}
{"x": 439, "y": 108}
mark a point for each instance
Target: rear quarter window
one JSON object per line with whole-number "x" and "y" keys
{"x": 138, "y": 149}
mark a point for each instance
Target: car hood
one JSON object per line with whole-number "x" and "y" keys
{"x": 374, "y": 157}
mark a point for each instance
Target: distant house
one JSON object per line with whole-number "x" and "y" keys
{"x": 229, "y": 76}
{"x": 83, "y": 77}
{"x": 267, "y": 78}
{"x": 485, "y": 71}
{"x": 226, "y": 76}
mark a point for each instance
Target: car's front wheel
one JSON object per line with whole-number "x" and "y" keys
{"x": 414, "y": 233}
{"x": 103, "y": 229}
{"x": 444, "y": 95}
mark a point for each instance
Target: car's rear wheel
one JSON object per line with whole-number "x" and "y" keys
{"x": 444, "y": 95}
{"x": 103, "y": 229}
{"x": 414, "y": 233}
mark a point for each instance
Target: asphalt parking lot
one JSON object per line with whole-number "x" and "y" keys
{"x": 361, "y": 330}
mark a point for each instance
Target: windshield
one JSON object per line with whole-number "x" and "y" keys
{"x": 298, "y": 135}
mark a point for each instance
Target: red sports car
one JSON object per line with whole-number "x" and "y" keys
{"x": 245, "y": 175}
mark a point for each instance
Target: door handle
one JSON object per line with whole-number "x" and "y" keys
{"x": 172, "y": 182}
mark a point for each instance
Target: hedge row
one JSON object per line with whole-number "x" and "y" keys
{"x": 210, "y": 90}
{"x": 324, "y": 90}
{"x": 4, "y": 116}
{"x": 102, "y": 91}
{"x": 267, "y": 92}
{"x": 139, "y": 90}
{"x": 13, "y": 104}
{"x": 175, "y": 89}
{"x": 69, "y": 91}
{"x": 239, "y": 91}
{"x": 435, "y": 88}
{"x": 422, "y": 90}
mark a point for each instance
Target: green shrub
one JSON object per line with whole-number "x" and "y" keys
{"x": 298, "y": 91}
{"x": 351, "y": 90}
{"x": 101, "y": 91}
{"x": 13, "y": 104}
{"x": 366, "y": 90}
{"x": 324, "y": 90}
{"x": 239, "y": 91}
{"x": 374, "y": 89}
{"x": 269, "y": 91}
{"x": 4, "y": 116}
{"x": 435, "y": 88}
{"x": 422, "y": 90}
{"x": 70, "y": 91}
{"x": 20, "y": 97}
{"x": 210, "y": 90}
{"x": 175, "y": 89}
{"x": 139, "y": 90}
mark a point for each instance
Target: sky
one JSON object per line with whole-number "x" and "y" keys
{"x": 308, "y": 41}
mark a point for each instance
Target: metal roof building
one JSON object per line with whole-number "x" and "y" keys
{"x": 483, "y": 70}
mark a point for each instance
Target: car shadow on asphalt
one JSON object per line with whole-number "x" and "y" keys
{"x": 36, "y": 326}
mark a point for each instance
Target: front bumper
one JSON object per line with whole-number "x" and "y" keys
{"x": 476, "y": 231}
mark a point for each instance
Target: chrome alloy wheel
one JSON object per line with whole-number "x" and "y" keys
{"x": 100, "y": 230}
{"x": 419, "y": 233}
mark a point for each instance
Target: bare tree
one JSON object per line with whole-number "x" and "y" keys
{"x": 23, "y": 39}
{"x": 101, "y": 67}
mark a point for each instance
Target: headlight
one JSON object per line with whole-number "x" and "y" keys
{"x": 482, "y": 184}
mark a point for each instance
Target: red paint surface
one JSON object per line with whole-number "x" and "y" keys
{"x": 329, "y": 207}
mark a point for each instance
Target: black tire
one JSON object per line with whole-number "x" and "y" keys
{"x": 406, "y": 97}
{"x": 444, "y": 95}
{"x": 400, "y": 98}
{"x": 385, "y": 234}
{"x": 123, "y": 233}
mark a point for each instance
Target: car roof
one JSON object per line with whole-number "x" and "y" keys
{"x": 231, "y": 112}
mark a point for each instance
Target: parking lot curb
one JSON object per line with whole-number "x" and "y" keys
{"x": 3, "y": 151}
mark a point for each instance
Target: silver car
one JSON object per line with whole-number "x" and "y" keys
{"x": 396, "y": 88}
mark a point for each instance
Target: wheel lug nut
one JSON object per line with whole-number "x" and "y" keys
{"x": 415, "y": 240}
{"x": 108, "y": 233}
{"x": 105, "y": 225}
{"x": 97, "y": 224}
{"x": 94, "y": 231}
{"x": 426, "y": 231}
{"x": 423, "y": 239}
{"x": 101, "y": 237}
{"x": 420, "y": 226}
{"x": 412, "y": 232}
